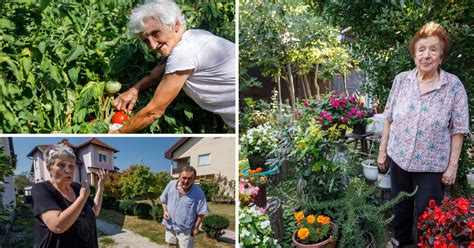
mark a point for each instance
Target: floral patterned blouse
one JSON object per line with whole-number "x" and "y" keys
{"x": 422, "y": 125}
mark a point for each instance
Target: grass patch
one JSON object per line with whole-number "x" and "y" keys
{"x": 226, "y": 210}
{"x": 22, "y": 229}
{"x": 156, "y": 231}
{"x": 106, "y": 241}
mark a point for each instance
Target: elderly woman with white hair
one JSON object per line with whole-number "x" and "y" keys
{"x": 64, "y": 213}
{"x": 200, "y": 63}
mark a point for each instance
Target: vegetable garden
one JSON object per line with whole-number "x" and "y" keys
{"x": 61, "y": 61}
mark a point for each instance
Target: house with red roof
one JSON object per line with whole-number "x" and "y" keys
{"x": 92, "y": 155}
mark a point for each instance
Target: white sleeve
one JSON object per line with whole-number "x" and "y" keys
{"x": 182, "y": 58}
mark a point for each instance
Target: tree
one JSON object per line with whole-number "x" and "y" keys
{"x": 139, "y": 181}
{"x": 23, "y": 180}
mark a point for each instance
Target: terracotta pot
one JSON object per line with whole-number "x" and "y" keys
{"x": 257, "y": 161}
{"x": 325, "y": 243}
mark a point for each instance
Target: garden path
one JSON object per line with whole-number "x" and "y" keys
{"x": 124, "y": 238}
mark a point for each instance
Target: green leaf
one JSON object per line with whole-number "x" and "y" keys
{"x": 27, "y": 116}
{"x": 44, "y": 4}
{"x": 170, "y": 120}
{"x": 26, "y": 64}
{"x": 42, "y": 47}
{"x": 77, "y": 52}
{"x": 54, "y": 72}
{"x": 6, "y": 24}
{"x": 74, "y": 74}
{"x": 188, "y": 114}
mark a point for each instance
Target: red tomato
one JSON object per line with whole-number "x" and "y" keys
{"x": 119, "y": 118}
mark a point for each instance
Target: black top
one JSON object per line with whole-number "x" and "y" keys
{"x": 82, "y": 233}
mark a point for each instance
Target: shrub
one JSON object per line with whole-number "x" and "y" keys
{"x": 214, "y": 224}
{"x": 210, "y": 189}
{"x": 157, "y": 213}
{"x": 127, "y": 206}
{"x": 108, "y": 202}
{"x": 116, "y": 206}
{"x": 142, "y": 210}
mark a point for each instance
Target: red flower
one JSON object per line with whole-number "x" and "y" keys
{"x": 432, "y": 203}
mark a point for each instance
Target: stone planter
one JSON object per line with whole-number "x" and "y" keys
{"x": 370, "y": 170}
{"x": 329, "y": 242}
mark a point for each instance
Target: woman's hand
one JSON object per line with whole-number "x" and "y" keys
{"x": 449, "y": 176}
{"x": 382, "y": 161}
{"x": 102, "y": 177}
{"x": 126, "y": 101}
{"x": 85, "y": 190}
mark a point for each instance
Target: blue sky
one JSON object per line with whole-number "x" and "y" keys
{"x": 132, "y": 150}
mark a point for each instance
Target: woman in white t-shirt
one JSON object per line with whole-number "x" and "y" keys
{"x": 200, "y": 63}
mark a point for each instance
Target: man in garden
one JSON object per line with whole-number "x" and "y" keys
{"x": 184, "y": 205}
{"x": 200, "y": 63}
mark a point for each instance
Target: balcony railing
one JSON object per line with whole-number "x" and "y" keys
{"x": 175, "y": 171}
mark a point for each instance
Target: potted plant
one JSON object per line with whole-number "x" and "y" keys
{"x": 313, "y": 231}
{"x": 255, "y": 229}
{"x": 449, "y": 225}
{"x": 253, "y": 187}
{"x": 247, "y": 192}
{"x": 369, "y": 165}
{"x": 338, "y": 110}
{"x": 256, "y": 143}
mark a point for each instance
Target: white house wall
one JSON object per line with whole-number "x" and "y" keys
{"x": 110, "y": 158}
{"x": 222, "y": 156}
{"x": 9, "y": 191}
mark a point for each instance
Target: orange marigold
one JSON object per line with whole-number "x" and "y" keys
{"x": 310, "y": 219}
{"x": 299, "y": 216}
{"x": 320, "y": 218}
{"x": 325, "y": 220}
{"x": 303, "y": 233}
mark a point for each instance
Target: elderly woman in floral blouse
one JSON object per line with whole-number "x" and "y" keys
{"x": 426, "y": 116}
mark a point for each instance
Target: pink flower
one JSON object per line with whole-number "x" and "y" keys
{"x": 344, "y": 100}
{"x": 361, "y": 103}
{"x": 328, "y": 117}
{"x": 321, "y": 119}
{"x": 298, "y": 113}
{"x": 313, "y": 109}
{"x": 353, "y": 110}
{"x": 261, "y": 211}
{"x": 323, "y": 113}
{"x": 306, "y": 104}
{"x": 373, "y": 111}
{"x": 350, "y": 115}
{"x": 319, "y": 101}
{"x": 344, "y": 119}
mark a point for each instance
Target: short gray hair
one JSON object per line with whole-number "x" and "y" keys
{"x": 165, "y": 11}
{"x": 188, "y": 168}
{"x": 56, "y": 151}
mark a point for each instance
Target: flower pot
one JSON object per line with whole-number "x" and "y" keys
{"x": 359, "y": 129}
{"x": 470, "y": 179}
{"x": 329, "y": 242}
{"x": 384, "y": 180}
{"x": 370, "y": 170}
{"x": 257, "y": 161}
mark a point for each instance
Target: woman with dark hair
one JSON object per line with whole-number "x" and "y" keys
{"x": 426, "y": 116}
{"x": 64, "y": 213}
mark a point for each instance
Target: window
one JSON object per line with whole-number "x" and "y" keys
{"x": 204, "y": 159}
{"x": 102, "y": 157}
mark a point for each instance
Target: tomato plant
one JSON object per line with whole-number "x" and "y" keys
{"x": 56, "y": 56}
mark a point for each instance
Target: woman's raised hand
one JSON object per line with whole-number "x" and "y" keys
{"x": 102, "y": 177}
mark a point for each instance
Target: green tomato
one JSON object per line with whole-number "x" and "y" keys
{"x": 112, "y": 87}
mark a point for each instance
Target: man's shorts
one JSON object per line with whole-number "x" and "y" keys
{"x": 183, "y": 239}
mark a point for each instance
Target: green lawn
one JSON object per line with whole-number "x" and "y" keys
{"x": 156, "y": 232}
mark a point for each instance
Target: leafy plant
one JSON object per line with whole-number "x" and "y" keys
{"x": 127, "y": 206}
{"x": 311, "y": 229}
{"x": 142, "y": 210}
{"x": 450, "y": 224}
{"x": 214, "y": 224}
{"x": 210, "y": 189}
{"x": 354, "y": 212}
{"x": 255, "y": 229}
{"x": 258, "y": 141}
{"x": 157, "y": 213}
{"x": 108, "y": 201}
